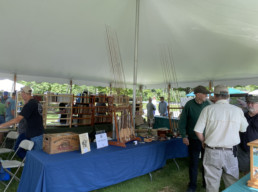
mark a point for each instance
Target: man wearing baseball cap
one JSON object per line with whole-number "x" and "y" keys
{"x": 32, "y": 112}
{"x": 222, "y": 123}
{"x": 251, "y": 133}
{"x": 188, "y": 119}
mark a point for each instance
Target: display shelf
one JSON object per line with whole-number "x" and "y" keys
{"x": 58, "y": 109}
{"x": 121, "y": 100}
{"x": 103, "y": 111}
{"x": 83, "y": 111}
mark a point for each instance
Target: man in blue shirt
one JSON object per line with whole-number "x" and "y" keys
{"x": 4, "y": 97}
{"x": 10, "y": 107}
{"x": 163, "y": 107}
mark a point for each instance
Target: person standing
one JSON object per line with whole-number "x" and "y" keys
{"x": 163, "y": 107}
{"x": 32, "y": 112}
{"x": 10, "y": 107}
{"x": 2, "y": 113}
{"x": 2, "y": 119}
{"x": 251, "y": 134}
{"x": 188, "y": 119}
{"x": 222, "y": 123}
{"x": 4, "y": 97}
{"x": 150, "y": 112}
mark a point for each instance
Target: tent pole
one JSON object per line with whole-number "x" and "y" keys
{"x": 14, "y": 82}
{"x": 71, "y": 85}
{"x": 210, "y": 84}
{"x": 135, "y": 58}
{"x": 110, "y": 89}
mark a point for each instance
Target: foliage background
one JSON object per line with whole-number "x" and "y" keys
{"x": 41, "y": 88}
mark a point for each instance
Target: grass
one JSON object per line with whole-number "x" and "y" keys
{"x": 167, "y": 179}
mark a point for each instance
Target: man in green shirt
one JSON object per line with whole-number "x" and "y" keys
{"x": 188, "y": 119}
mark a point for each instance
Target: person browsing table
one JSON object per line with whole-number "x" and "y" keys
{"x": 32, "y": 112}
{"x": 222, "y": 123}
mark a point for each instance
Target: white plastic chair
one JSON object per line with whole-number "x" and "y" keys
{"x": 8, "y": 164}
{"x": 12, "y": 135}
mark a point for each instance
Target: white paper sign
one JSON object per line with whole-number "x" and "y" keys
{"x": 84, "y": 143}
{"x": 101, "y": 140}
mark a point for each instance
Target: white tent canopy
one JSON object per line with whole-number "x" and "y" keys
{"x": 8, "y": 85}
{"x": 255, "y": 92}
{"x": 63, "y": 40}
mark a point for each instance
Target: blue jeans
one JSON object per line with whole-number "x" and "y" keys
{"x": 194, "y": 149}
{"x": 2, "y": 120}
{"x": 21, "y": 153}
{"x": 38, "y": 142}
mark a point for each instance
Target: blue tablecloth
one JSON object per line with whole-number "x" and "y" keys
{"x": 241, "y": 185}
{"x": 161, "y": 122}
{"x": 99, "y": 168}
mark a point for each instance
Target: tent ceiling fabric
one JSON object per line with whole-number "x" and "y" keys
{"x": 59, "y": 40}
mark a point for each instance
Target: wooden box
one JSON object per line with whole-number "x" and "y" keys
{"x": 162, "y": 132}
{"x": 60, "y": 142}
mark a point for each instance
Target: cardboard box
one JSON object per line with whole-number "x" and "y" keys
{"x": 60, "y": 142}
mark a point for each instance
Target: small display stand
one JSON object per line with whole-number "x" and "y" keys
{"x": 125, "y": 131}
{"x": 253, "y": 182}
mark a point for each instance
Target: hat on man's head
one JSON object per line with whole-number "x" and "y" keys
{"x": 26, "y": 89}
{"x": 221, "y": 90}
{"x": 201, "y": 89}
{"x": 252, "y": 99}
{"x": 5, "y": 93}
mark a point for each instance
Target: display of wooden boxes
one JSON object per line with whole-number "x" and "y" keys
{"x": 83, "y": 110}
{"x": 253, "y": 182}
{"x": 121, "y": 99}
{"x": 58, "y": 104}
{"x": 75, "y": 110}
{"x": 60, "y": 142}
{"x": 103, "y": 109}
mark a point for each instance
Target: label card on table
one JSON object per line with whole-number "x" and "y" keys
{"x": 84, "y": 143}
{"x": 101, "y": 140}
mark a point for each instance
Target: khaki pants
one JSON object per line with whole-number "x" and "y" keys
{"x": 219, "y": 163}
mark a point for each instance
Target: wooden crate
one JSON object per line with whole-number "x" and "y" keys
{"x": 60, "y": 142}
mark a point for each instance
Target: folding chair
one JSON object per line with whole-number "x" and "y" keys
{"x": 8, "y": 164}
{"x": 12, "y": 135}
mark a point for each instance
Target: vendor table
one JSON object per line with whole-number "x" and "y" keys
{"x": 99, "y": 168}
{"x": 240, "y": 186}
{"x": 161, "y": 122}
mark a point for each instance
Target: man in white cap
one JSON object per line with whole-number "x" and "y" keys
{"x": 222, "y": 123}
{"x": 32, "y": 112}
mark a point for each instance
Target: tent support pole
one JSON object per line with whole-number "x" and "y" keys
{"x": 14, "y": 82}
{"x": 135, "y": 57}
{"x": 71, "y": 86}
{"x": 110, "y": 89}
{"x": 210, "y": 84}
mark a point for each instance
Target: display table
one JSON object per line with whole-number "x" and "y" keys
{"x": 99, "y": 168}
{"x": 240, "y": 186}
{"x": 161, "y": 122}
